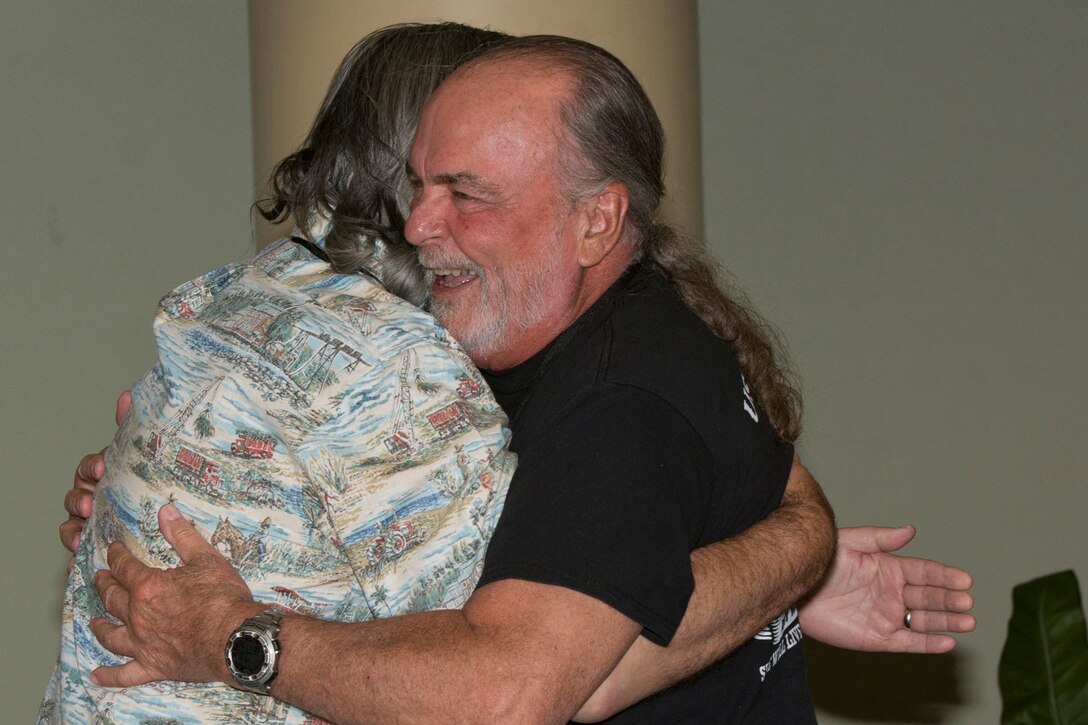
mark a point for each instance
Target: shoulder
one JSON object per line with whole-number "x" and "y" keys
{"x": 652, "y": 331}
{"x": 358, "y": 299}
{"x": 648, "y": 339}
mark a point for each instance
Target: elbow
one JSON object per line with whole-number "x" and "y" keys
{"x": 605, "y": 702}
{"x": 539, "y": 703}
{"x": 511, "y": 702}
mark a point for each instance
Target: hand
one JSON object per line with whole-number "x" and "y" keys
{"x": 174, "y": 622}
{"x": 861, "y": 603}
{"x": 77, "y": 501}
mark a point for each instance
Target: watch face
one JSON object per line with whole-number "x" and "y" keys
{"x": 248, "y": 655}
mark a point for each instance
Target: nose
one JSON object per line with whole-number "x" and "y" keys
{"x": 424, "y": 224}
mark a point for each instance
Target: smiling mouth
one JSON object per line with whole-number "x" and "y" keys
{"x": 450, "y": 278}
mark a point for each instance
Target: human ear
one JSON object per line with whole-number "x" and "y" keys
{"x": 605, "y": 213}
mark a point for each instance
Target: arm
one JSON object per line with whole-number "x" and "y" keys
{"x": 517, "y": 652}
{"x": 859, "y": 605}
{"x": 936, "y": 589}
{"x": 741, "y": 583}
{"x": 550, "y": 644}
{"x": 719, "y": 565}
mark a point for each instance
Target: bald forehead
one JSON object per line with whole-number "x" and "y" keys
{"x": 528, "y": 68}
{"x": 512, "y": 84}
{"x": 492, "y": 115}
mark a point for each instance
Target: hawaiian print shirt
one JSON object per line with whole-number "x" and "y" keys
{"x": 330, "y": 439}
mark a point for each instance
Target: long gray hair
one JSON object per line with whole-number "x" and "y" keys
{"x": 612, "y": 133}
{"x": 347, "y": 178}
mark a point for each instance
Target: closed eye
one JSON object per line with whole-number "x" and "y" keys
{"x": 416, "y": 187}
{"x": 414, "y": 183}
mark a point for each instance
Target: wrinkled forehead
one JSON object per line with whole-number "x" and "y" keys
{"x": 516, "y": 102}
{"x": 499, "y": 76}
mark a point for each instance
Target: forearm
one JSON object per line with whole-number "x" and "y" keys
{"x": 471, "y": 665}
{"x": 741, "y": 583}
{"x": 417, "y": 668}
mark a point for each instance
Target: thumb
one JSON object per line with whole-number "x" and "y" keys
{"x": 873, "y": 539}
{"x": 124, "y": 400}
{"x": 888, "y": 539}
{"x": 181, "y": 535}
{"x": 130, "y": 674}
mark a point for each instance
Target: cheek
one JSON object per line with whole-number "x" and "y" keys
{"x": 478, "y": 234}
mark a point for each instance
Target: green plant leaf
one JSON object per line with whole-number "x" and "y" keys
{"x": 1043, "y": 671}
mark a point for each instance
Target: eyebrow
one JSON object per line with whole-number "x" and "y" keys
{"x": 461, "y": 178}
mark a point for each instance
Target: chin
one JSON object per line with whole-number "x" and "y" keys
{"x": 479, "y": 347}
{"x": 474, "y": 334}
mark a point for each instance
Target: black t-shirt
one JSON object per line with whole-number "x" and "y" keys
{"x": 638, "y": 441}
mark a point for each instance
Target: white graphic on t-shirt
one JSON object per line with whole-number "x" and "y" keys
{"x": 785, "y": 633}
{"x": 749, "y": 402}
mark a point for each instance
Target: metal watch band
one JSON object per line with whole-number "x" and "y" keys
{"x": 269, "y": 618}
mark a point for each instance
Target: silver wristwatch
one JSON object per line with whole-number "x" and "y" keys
{"x": 253, "y": 651}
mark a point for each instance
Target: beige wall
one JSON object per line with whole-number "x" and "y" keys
{"x": 903, "y": 188}
{"x": 127, "y": 169}
{"x": 297, "y": 44}
{"x": 900, "y": 186}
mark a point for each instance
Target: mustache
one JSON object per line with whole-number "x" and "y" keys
{"x": 440, "y": 259}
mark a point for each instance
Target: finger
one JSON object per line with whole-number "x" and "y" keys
{"x": 873, "y": 539}
{"x": 889, "y": 539}
{"x": 926, "y": 572}
{"x": 129, "y": 674}
{"x": 924, "y": 622}
{"x": 126, "y": 568}
{"x": 69, "y": 533}
{"x": 90, "y": 470}
{"x": 71, "y": 562}
{"x": 937, "y": 599}
{"x": 78, "y": 501}
{"x": 124, "y": 400}
{"x": 181, "y": 535}
{"x": 113, "y": 595}
{"x": 115, "y": 637}
{"x": 920, "y": 643}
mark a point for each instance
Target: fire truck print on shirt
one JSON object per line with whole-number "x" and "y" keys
{"x": 328, "y": 438}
